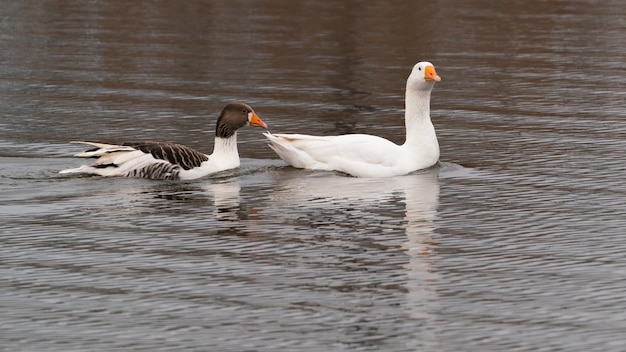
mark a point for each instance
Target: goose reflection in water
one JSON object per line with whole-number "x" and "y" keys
{"x": 221, "y": 196}
{"x": 417, "y": 193}
{"x": 350, "y": 231}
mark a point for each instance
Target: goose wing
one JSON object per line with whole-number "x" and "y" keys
{"x": 176, "y": 154}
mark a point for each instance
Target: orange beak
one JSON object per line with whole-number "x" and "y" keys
{"x": 430, "y": 75}
{"x": 255, "y": 120}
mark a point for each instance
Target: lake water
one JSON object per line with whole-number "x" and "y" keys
{"x": 515, "y": 242}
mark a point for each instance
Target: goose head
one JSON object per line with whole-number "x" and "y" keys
{"x": 233, "y": 117}
{"x": 423, "y": 76}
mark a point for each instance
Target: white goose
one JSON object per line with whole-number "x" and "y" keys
{"x": 171, "y": 161}
{"x": 365, "y": 155}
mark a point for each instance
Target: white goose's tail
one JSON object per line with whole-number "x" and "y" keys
{"x": 292, "y": 148}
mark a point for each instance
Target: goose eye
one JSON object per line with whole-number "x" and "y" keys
{"x": 419, "y": 68}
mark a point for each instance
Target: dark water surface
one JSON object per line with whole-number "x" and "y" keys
{"x": 516, "y": 242}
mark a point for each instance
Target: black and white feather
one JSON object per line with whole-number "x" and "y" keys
{"x": 171, "y": 161}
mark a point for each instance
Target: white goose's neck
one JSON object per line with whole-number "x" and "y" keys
{"x": 226, "y": 148}
{"x": 419, "y": 128}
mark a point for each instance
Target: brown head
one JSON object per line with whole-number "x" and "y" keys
{"x": 233, "y": 117}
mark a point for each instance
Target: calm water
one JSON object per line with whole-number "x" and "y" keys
{"x": 516, "y": 242}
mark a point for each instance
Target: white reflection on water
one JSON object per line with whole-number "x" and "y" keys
{"x": 226, "y": 199}
{"x": 421, "y": 199}
{"x": 419, "y": 193}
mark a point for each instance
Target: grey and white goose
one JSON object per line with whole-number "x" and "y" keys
{"x": 171, "y": 161}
